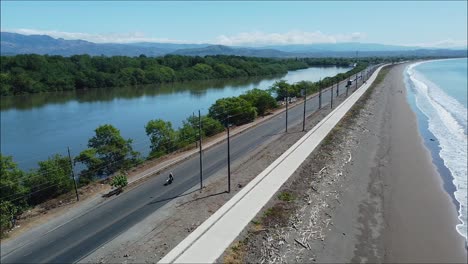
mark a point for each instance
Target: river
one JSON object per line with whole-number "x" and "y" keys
{"x": 34, "y": 127}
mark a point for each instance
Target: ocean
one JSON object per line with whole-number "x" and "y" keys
{"x": 437, "y": 92}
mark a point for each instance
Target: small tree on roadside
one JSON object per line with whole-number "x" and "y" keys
{"x": 119, "y": 181}
{"x": 211, "y": 126}
{"x": 108, "y": 152}
{"x": 13, "y": 193}
{"x": 52, "y": 178}
{"x": 162, "y": 137}
{"x": 188, "y": 133}
{"x": 282, "y": 89}
{"x": 240, "y": 110}
{"x": 262, "y": 100}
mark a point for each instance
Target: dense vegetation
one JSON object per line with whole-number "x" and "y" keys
{"x": 282, "y": 89}
{"x": 108, "y": 153}
{"x": 22, "y": 74}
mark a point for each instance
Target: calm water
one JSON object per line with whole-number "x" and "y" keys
{"x": 34, "y": 127}
{"x": 439, "y": 96}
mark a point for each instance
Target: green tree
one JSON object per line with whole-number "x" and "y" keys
{"x": 108, "y": 152}
{"x": 52, "y": 178}
{"x": 310, "y": 87}
{"x": 162, "y": 137}
{"x": 43, "y": 73}
{"x": 282, "y": 89}
{"x": 8, "y": 213}
{"x": 239, "y": 110}
{"x": 188, "y": 133}
{"x": 94, "y": 165}
{"x": 211, "y": 126}
{"x": 262, "y": 100}
{"x": 12, "y": 186}
{"x": 13, "y": 193}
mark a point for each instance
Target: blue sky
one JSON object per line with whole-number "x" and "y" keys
{"x": 243, "y": 23}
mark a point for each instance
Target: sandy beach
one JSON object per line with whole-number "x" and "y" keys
{"x": 371, "y": 194}
{"x": 420, "y": 216}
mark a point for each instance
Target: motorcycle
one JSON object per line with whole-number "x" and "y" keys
{"x": 168, "y": 181}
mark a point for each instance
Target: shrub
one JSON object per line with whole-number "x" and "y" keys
{"x": 119, "y": 181}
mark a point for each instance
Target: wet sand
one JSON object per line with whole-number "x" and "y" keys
{"x": 420, "y": 216}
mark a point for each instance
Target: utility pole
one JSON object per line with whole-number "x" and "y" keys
{"x": 200, "y": 146}
{"x": 305, "y": 101}
{"x": 331, "y": 97}
{"x": 73, "y": 174}
{"x": 287, "y": 101}
{"x": 320, "y": 94}
{"x": 193, "y": 118}
{"x": 229, "y": 156}
{"x": 337, "y": 87}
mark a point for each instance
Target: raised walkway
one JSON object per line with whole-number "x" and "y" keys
{"x": 206, "y": 243}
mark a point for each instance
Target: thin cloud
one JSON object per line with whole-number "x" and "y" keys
{"x": 291, "y": 37}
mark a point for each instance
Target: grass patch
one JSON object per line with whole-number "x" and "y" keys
{"x": 255, "y": 222}
{"x": 286, "y": 196}
{"x": 277, "y": 215}
{"x": 236, "y": 253}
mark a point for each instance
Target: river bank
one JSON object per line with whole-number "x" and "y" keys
{"x": 370, "y": 194}
{"x": 42, "y": 125}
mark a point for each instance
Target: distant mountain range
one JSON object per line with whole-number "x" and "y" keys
{"x": 13, "y": 43}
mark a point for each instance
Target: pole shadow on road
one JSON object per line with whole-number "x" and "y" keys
{"x": 185, "y": 194}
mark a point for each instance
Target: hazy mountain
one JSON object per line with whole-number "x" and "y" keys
{"x": 341, "y": 47}
{"x": 225, "y": 50}
{"x": 168, "y": 46}
{"x": 13, "y": 43}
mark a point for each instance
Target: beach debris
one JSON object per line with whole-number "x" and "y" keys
{"x": 320, "y": 172}
{"x": 300, "y": 243}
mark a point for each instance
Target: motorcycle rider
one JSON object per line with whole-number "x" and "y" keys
{"x": 170, "y": 178}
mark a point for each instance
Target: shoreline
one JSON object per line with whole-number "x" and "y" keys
{"x": 420, "y": 212}
{"x": 432, "y": 145}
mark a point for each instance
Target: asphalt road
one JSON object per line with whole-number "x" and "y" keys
{"x": 84, "y": 234}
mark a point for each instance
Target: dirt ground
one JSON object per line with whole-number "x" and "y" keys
{"x": 159, "y": 233}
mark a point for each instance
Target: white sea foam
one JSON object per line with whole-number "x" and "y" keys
{"x": 448, "y": 122}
